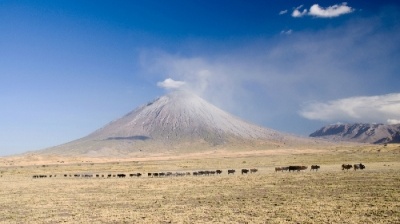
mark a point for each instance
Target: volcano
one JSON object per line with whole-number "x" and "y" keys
{"x": 179, "y": 122}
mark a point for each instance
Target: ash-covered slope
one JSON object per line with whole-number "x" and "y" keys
{"x": 363, "y": 133}
{"x": 181, "y": 115}
{"x": 179, "y": 121}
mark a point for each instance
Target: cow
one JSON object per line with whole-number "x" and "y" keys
{"x": 135, "y": 174}
{"x": 218, "y": 172}
{"x": 314, "y": 167}
{"x": 359, "y": 166}
{"x": 253, "y": 170}
{"x": 121, "y": 175}
{"x": 281, "y": 168}
{"x": 231, "y": 172}
{"x": 346, "y": 166}
{"x": 298, "y": 168}
{"x": 245, "y": 171}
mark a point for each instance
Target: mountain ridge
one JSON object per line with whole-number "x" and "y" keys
{"x": 360, "y": 132}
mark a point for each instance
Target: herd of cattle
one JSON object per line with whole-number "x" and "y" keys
{"x": 158, "y": 174}
{"x": 201, "y": 173}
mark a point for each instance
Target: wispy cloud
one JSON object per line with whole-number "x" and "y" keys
{"x": 297, "y": 13}
{"x": 369, "y": 109}
{"x": 283, "y": 12}
{"x": 287, "y": 32}
{"x": 331, "y": 11}
{"x": 170, "y": 84}
{"x": 267, "y": 80}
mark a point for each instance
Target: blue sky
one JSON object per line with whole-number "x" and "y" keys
{"x": 68, "y": 68}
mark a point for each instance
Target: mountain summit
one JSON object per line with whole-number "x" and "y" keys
{"x": 177, "y": 122}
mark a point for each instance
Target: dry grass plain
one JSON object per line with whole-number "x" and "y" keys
{"x": 327, "y": 196}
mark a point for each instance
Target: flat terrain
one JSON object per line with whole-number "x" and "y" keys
{"x": 329, "y": 195}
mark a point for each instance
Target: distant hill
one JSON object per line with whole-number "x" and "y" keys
{"x": 363, "y": 133}
{"x": 177, "y": 122}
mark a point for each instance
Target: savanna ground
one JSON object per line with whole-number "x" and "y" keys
{"x": 327, "y": 196}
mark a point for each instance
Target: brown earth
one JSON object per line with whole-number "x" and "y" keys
{"x": 329, "y": 195}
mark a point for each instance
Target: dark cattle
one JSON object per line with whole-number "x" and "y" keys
{"x": 231, "y": 172}
{"x": 109, "y": 175}
{"x": 346, "y": 166}
{"x": 298, "y": 168}
{"x": 195, "y": 173}
{"x": 65, "y": 175}
{"x": 359, "y": 166}
{"x": 135, "y": 174}
{"x": 121, "y": 175}
{"x": 149, "y": 174}
{"x": 218, "y": 171}
{"x": 245, "y": 171}
{"x": 281, "y": 168}
{"x": 155, "y": 174}
{"x": 253, "y": 170}
{"x": 315, "y": 167}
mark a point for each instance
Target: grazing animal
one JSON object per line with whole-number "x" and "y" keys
{"x": 245, "y": 171}
{"x": 121, "y": 175}
{"x": 231, "y": 172}
{"x": 135, "y": 174}
{"x": 281, "y": 168}
{"x": 218, "y": 171}
{"x": 253, "y": 170}
{"x": 359, "y": 166}
{"x": 298, "y": 168}
{"x": 346, "y": 166}
{"x": 314, "y": 167}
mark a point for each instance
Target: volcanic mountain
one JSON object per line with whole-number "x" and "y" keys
{"x": 179, "y": 122}
{"x": 362, "y": 133}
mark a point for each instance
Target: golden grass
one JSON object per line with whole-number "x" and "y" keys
{"x": 327, "y": 196}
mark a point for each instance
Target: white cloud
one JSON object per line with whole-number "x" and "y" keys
{"x": 331, "y": 11}
{"x": 393, "y": 121}
{"x": 283, "y": 12}
{"x": 297, "y": 13}
{"x": 369, "y": 109}
{"x": 170, "y": 84}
